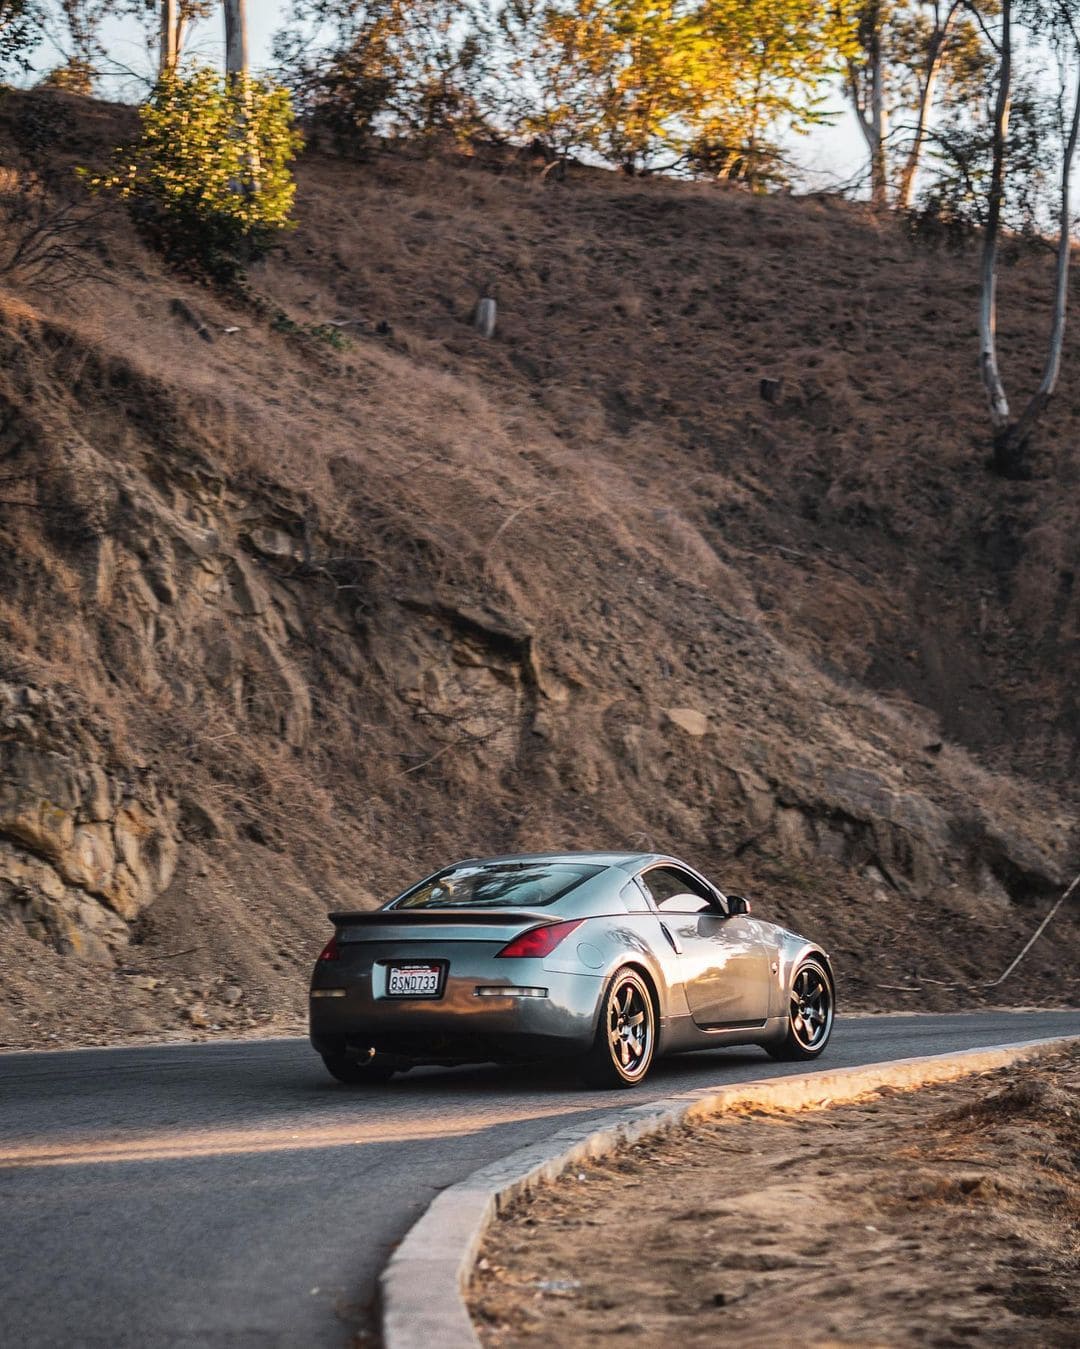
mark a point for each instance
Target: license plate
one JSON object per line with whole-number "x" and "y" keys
{"x": 414, "y": 981}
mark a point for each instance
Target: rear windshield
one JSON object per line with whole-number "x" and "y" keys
{"x": 498, "y": 885}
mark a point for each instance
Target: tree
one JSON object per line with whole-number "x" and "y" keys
{"x": 170, "y": 37}
{"x": 236, "y": 49}
{"x": 623, "y": 80}
{"x": 400, "y": 67}
{"x": 80, "y": 42}
{"x": 866, "y": 87}
{"x": 189, "y": 180}
{"x": 20, "y": 22}
{"x": 930, "y": 45}
{"x": 701, "y": 83}
{"x": 167, "y": 24}
{"x": 774, "y": 61}
{"x": 1053, "y": 21}
{"x": 911, "y": 56}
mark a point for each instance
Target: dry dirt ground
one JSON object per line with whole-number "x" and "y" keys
{"x": 942, "y": 1217}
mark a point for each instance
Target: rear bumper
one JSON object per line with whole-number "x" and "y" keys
{"x": 461, "y": 1026}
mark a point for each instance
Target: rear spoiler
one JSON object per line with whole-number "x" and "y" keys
{"x": 488, "y": 917}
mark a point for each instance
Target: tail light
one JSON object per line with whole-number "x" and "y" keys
{"x": 330, "y": 950}
{"x": 540, "y": 941}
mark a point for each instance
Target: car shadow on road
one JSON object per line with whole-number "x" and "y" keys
{"x": 167, "y": 1090}
{"x": 556, "y": 1077}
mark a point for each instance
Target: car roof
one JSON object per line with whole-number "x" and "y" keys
{"x": 623, "y": 860}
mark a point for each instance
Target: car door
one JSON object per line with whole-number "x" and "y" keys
{"x": 723, "y": 958}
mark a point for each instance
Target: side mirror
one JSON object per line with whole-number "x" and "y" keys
{"x": 738, "y": 904}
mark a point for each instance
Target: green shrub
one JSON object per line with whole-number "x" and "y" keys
{"x": 208, "y": 180}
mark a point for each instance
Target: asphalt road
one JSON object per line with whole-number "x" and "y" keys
{"x": 232, "y": 1194}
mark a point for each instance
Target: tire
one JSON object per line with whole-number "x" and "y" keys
{"x": 358, "y": 1072}
{"x": 626, "y": 1035}
{"x": 811, "y": 1005}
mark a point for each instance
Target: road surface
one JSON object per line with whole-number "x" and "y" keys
{"x": 232, "y": 1194}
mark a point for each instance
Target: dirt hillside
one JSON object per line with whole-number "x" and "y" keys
{"x": 303, "y": 596}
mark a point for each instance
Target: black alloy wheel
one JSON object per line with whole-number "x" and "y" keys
{"x": 358, "y": 1072}
{"x": 626, "y": 1035}
{"x": 810, "y": 1014}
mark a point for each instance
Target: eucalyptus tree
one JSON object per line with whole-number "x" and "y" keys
{"x": 396, "y": 67}
{"x": 20, "y": 30}
{"x": 911, "y": 57}
{"x": 174, "y": 20}
{"x": 236, "y": 42}
{"x": 1053, "y": 25}
{"x": 773, "y": 65}
{"x": 704, "y": 84}
{"x": 74, "y": 28}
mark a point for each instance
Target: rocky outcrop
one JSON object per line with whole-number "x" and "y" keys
{"x": 898, "y": 839}
{"x": 82, "y": 852}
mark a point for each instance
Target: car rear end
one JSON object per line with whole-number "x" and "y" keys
{"x": 450, "y": 986}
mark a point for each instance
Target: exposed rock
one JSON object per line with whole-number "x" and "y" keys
{"x": 90, "y": 861}
{"x": 65, "y": 849}
{"x": 273, "y": 543}
{"x": 62, "y": 915}
{"x": 249, "y": 594}
{"x": 39, "y": 793}
{"x": 897, "y": 838}
{"x": 99, "y": 800}
{"x": 688, "y": 719}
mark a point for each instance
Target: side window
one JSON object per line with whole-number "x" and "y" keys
{"x": 676, "y": 891}
{"x": 633, "y": 896}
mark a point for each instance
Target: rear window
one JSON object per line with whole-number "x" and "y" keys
{"x": 499, "y": 885}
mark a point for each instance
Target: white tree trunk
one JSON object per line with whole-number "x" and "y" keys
{"x": 236, "y": 52}
{"x": 1052, "y": 368}
{"x": 237, "y": 74}
{"x": 871, "y": 112}
{"x": 170, "y": 35}
{"x": 939, "y": 41}
{"x": 988, "y": 362}
{"x": 879, "y": 124}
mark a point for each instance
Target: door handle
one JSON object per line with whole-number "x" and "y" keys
{"x": 674, "y": 944}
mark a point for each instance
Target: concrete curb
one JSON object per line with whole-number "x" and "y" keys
{"x": 422, "y": 1289}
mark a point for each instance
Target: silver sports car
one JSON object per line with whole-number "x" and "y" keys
{"x": 606, "y": 958}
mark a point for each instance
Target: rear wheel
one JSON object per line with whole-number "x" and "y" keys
{"x": 626, "y": 1035}
{"x": 810, "y": 1014}
{"x": 358, "y": 1072}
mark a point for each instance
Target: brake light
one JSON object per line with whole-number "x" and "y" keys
{"x": 330, "y": 950}
{"x": 540, "y": 941}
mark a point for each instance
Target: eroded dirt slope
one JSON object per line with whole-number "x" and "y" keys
{"x": 283, "y": 625}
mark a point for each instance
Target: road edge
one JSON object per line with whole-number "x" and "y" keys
{"x": 422, "y": 1287}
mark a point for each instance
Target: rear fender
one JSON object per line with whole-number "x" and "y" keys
{"x": 603, "y": 946}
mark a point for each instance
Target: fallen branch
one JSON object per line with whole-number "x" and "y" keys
{"x": 992, "y": 983}
{"x": 1036, "y": 935}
